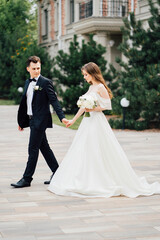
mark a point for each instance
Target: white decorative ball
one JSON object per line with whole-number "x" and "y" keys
{"x": 20, "y": 89}
{"x": 124, "y": 102}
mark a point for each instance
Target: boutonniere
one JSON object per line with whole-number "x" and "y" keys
{"x": 36, "y": 88}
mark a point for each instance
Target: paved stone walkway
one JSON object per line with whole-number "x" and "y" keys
{"x": 36, "y": 214}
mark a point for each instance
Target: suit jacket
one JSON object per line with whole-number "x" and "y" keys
{"x": 42, "y": 98}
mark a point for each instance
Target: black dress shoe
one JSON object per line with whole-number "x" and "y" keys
{"x": 21, "y": 183}
{"x": 48, "y": 182}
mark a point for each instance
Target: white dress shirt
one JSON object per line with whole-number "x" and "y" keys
{"x": 29, "y": 94}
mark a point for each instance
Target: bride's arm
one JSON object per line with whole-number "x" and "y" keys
{"x": 96, "y": 109}
{"x": 78, "y": 114}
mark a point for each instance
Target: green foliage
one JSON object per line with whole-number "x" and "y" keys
{"x": 138, "y": 79}
{"x": 129, "y": 124}
{"x": 116, "y": 123}
{"x": 26, "y": 49}
{"x": 14, "y": 21}
{"x": 18, "y": 41}
{"x": 70, "y": 82}
{"x": 6, "y": 102}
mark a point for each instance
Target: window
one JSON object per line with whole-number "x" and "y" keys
{"x": 85, "y": 9}
{"x": 45, "y": 35}
{"x": 71, "y": 11}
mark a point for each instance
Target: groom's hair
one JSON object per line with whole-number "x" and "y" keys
{"x": 33, "y": 59}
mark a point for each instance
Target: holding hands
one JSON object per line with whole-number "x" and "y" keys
{"x": 70, "y": 123}
{"x": 67, "y": 122}
{"x": 64, "y": 121}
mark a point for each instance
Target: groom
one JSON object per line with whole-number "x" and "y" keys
{"x": 34, "y": 112}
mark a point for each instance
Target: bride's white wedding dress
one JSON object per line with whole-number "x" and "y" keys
{"x": 96, "y": 165}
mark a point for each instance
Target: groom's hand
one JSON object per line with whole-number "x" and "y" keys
{"x": 69, "y": 123}
{"x": 65, "y": 121}
{"x": 20, "y": 129}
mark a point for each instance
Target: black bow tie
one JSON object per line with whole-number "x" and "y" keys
{"x": 32, "y": 79}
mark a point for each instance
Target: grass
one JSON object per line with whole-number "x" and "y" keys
{"x": 6, "y": 102}
{"x": 68, "y": 116}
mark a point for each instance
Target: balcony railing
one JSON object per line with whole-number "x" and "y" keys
{"x": 107, "y": 8}
{"x": 114, "y": 8}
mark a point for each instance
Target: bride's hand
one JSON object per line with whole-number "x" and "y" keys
{"x": 69, "y": 123}
{"x": 88, "y": 110}
{"x": 96, "y": 109}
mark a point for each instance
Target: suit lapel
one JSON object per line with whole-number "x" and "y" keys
{"x": 38, "y": 83}
{"x": 26, "y": 87}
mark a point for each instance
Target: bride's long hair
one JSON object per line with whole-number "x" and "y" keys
{"x": 92, "y": 69}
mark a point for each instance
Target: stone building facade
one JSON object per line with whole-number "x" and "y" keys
{"x": 59, "y": 20}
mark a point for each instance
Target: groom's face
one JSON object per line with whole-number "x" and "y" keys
{"x": 34, "y": 69}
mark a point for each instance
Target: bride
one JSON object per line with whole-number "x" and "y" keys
{"x": 95, "y": 164}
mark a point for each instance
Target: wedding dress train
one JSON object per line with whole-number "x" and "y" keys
{"x": 96, "y": 165}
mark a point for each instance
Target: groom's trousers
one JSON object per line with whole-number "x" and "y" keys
{"x": 38, "y": 141}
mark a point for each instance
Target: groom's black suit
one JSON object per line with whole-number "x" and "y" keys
{"x": 41, "y": 119}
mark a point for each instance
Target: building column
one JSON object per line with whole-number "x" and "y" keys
{"x": 108, "y": 49}
{"x": 101, "y": 37}
{"x": 63, "y": 16}
{"x": 60, "y": 26}
{"x": 76, "y": 16}
{"x": 96, "y": 7}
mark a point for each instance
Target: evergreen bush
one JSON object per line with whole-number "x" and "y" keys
{"x": 138, "y": 79}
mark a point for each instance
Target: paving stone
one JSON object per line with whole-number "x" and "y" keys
{"x": 34, "y": 213}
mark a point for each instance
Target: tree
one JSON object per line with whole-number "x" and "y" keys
{"x": 26, "y": 49}
{"x": 70, "y": 82}
{"x": 138, "y": 79}
{"x": 15, "y": 21}
{"x": 18, "y": 41}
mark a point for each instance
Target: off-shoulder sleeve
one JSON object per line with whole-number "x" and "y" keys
{"x": 104, "y": 103}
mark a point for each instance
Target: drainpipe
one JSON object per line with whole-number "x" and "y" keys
{"x": 132, "y": 5}
{"x": 60, "y": 26}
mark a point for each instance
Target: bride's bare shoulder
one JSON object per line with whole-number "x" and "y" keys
{"x": 101, "y": 86}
